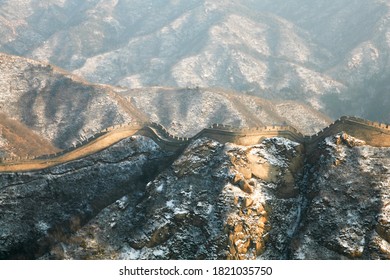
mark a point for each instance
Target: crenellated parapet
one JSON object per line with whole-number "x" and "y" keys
{"x": 365, "y": 122}
{"x": 249, "y": 136}
{"x": 373, "y": 133}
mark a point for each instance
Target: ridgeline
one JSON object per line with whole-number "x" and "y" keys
{"x": 373, "y": 133}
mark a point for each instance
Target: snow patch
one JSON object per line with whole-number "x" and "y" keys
{"x": 160, "y": 188}
{"x": 42, "y": 227}
{"x": 128, "y": 253}
{"x": 170, "y": 204}
{"x": 210, "y": 209}
{"x": 158, "y": 253}
{"x": 271, "y": 153}
{"x": 180, "y": 211}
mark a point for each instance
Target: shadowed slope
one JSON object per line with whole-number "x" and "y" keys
{"x": 18, "y": 140}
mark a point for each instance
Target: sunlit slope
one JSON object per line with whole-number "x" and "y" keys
{"x": 17, "y": 140}
{"x": 58, "y": 106}
{"x": 187, "y": 111}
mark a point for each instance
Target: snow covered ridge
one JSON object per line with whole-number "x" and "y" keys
{"x": 263, "y": 201}
{"x": 374, "y": 134}
{"x": 206, "y": 200}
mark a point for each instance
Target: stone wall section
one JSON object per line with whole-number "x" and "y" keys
{"x": 373, "y": 133}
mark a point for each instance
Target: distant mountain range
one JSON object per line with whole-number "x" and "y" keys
{"x": 332, "y": 55}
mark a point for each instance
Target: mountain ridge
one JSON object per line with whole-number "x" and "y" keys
{"x": 136, "y": 200}
{"x": 194, "y": 129}
{"x": 371, "y": 133}
{"x": 323, "y": 54}
{"x": 62, "y": 108}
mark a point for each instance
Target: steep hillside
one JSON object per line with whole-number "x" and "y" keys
{"x": 325, "y": 54}
{"x": 64, "y": 109}
{"x": 227, "y": 193}
{"x": 56, "y": 201}
{"x": 357, "y": 34}
{"x": 210, "y": 200}
{"x": 207, "y": 205}
{"x": 255, "y": 202}
{"x": 347, "y": 213}
{"x": 58, "y": 106}
{"x": 187, "y": 111}
{"x": 17, "y": 140}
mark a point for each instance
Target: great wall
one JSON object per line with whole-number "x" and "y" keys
{"x": 373, "y": 133}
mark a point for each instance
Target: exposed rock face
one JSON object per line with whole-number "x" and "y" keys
{"x": 347, "y": 194}
{"x": 40, "y": 208}
{"x": 207, "y": 205}
{"x": 257, "y": 202}
{"x": 209, "y": 201}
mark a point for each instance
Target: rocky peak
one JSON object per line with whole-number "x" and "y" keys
{"x": 208, "y": 204}
{"x": 204, "y": 200}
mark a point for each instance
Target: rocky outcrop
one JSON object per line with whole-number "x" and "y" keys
{"x": 38, "y": 209}
{"x": 204, "y": 199}
{"x": 224, "y": 201}
{"x": 347, "y": 197}
{"x": 207, "y": 205}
